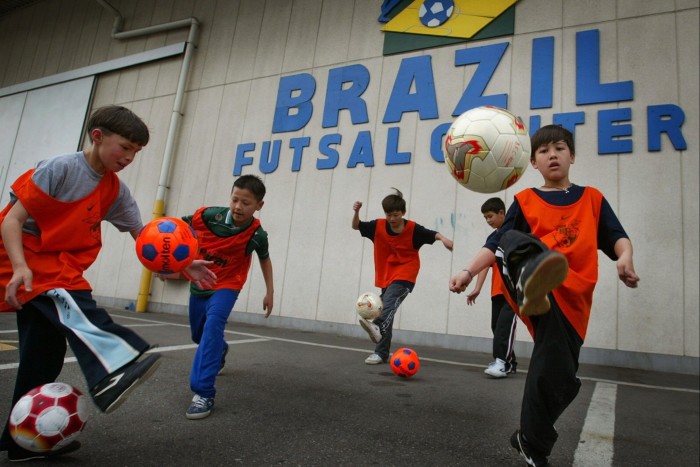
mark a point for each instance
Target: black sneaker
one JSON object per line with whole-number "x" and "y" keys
{"x": 113, "y": 390}
{"x": 518, "y": 441}
{"x": 511, "y": 367}
{"x": 538, "y": 277}
{"x": 18, "y": 454}
{"x": 223, "y": 359}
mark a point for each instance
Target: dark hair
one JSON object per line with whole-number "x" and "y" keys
{"x": 394, "y": 202}
{"x": 551, "y": 134}
{"x": 493, "y": 205}
{"x": 120, "y": 120}
{"x": 252, "y": 183}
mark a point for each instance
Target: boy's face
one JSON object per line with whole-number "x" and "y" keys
{"x": 494, "y": 219}
{"x": 394, "y": 219}
{"x": 243, "y": 205}
{"x": 553, "y": 161}
{"x": 114, "y": 151}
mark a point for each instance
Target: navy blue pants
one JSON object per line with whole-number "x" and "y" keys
{"x": 551, "y": 383}
{"x": 46, "y": 322}
{"x": 208, "y": 317}
{"x": 503, "y": 324}
{"x": 392, "y": 296}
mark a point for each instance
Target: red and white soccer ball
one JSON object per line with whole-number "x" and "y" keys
{"x": 404, "y": 362}
{"x": 369, "y": 305}
{"x": 487, "y": 149}
{"x": 167, "y": 245}
{"x": 48, "y": 417}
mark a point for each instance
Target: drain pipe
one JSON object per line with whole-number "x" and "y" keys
{"x": 176, "y": 116}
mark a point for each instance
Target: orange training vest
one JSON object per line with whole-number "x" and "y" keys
{"x": 231, "y": 264}
{"x": 70, "y": 240}
{"x": 573, "y": 231}
{"x": 394, "y": 256}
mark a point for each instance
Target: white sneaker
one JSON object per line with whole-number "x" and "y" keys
{"x": 372, "y": 329}
{"x": 374, "y": 359}
{"x": 497, "y": 369}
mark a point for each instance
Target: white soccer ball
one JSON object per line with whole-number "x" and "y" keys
{"x": 433, "y": 13}
{"x": 48, "y": 417}
{"x": 369, "y": 305}
{"x": 487, "y": 149}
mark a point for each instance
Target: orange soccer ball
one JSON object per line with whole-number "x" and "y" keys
{"x": 404, "y": 362}
{"x": 167, "y": 245}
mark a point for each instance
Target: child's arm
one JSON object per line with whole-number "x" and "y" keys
{"x": 445, "y": 241}
{"x": 480, "y": 279}
{"x": 483, "y": 259}
{"x": 625, "y": 265}
{"x": 12, "y": 239}
{"x": 357, "y": 205}
{"x": 266, "y": 268}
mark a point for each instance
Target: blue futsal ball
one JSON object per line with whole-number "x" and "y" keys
{"x": 433, "y": 13}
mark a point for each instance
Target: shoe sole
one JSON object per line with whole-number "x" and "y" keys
{"x": 548, "y": 275}
{"x": 197, "y": 416}
{"x": 498, "y": 375}
{"x": 125, "y": 394}
{"x": 367, "y": 326}
{"x": 373, "y": 362}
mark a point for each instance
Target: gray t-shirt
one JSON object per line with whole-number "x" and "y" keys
{"x": 69, "y": 177}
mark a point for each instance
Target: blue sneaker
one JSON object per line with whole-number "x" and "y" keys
{"x": 200, "y": 407}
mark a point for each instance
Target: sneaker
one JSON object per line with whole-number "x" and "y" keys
{"x": 200, "y": 407}
{"x": 374, "y": 359}
{"x": 512, "y": 367}
{"x": 497, "y": 369}
{"x": 113, "y": 390}
{"x": 17, "y": 454}
{"x": 223, "y": 359}
{"x": 518, "y": 441}
{"x": 372, "y": 329}
{"x": 538, "y": 277}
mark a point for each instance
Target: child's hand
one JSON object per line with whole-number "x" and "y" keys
{"x": 460, "y": 281}
{"x": 625, "y": 271}
{"x": 449, "y": 244}
{"x": 471, "y": 298}
{"x": 267, "y": 304}
{"x": 22, "y": 276}
{"x": 356, "y": 206}
{"x": 200, "y": 274}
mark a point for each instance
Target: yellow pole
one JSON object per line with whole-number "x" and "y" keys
{"x": 146, "y": 275}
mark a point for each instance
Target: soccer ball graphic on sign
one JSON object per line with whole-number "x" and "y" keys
{"x": 433, "y": 13}
{"x": 369, "y": 305}
{"x": 167, "y": 245}
{"x": 404, "y": 362}
{"x": 487, "y": 149}
{"x": 48, "y": 417}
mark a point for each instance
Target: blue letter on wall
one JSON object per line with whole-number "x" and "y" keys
{"x": 418, "y": 70}
{"x": 293, "y": 109}
{"x": 487, "y": 57}
{"x": 665, "y": 119}
{"x": 339, "y": 98}
{"x": 241, "y": 159}
{"x": 610, "y": 132}
{"x": 589, "y": 89}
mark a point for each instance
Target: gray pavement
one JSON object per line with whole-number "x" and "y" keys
{"x": 295, "y": 398}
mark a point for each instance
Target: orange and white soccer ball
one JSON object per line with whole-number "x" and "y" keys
{"x": 369, "y": 305}
{"x": 487, "y": 149}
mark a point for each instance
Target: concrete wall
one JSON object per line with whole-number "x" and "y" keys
{"x": 320, "y": 264}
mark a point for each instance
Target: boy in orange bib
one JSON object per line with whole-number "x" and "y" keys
{"x": 396, "y": 265}
{"x": 547, "y": 250}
